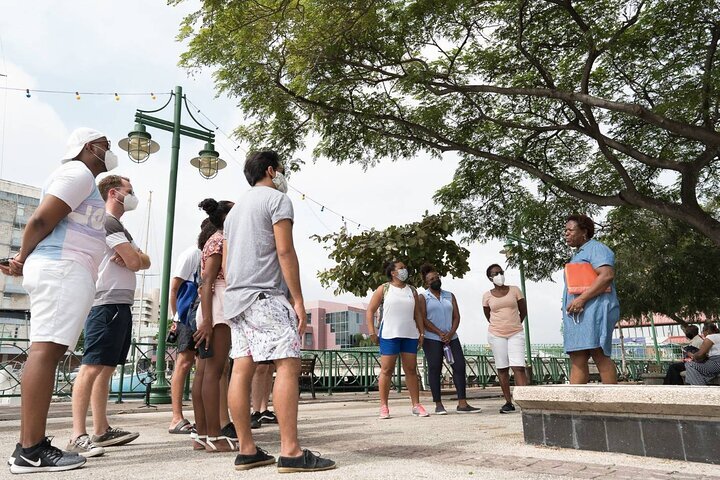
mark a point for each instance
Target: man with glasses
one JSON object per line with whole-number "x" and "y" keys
{"x": 108, "y": 328}
{"x": 62, "y": 246}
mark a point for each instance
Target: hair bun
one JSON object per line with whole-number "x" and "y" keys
{"x": 426, "y": 268}
{"x": 209, "y": 205}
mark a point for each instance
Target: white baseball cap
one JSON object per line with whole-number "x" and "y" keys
{"x": 77, "y": 140}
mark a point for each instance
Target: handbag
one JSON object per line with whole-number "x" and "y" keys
{"x": 579, "y": 277}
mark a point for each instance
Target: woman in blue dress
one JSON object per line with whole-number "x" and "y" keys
{"x": 590, "y": 317}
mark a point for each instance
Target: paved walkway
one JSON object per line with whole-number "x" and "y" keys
{"x": 345, "y": 427}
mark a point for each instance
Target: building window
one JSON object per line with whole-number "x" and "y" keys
{"x": 308, "y": 340}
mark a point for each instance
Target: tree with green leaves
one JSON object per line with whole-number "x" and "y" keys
{"x": 359, "y": 259}
{"x": 550, "y": 102}
{"x": 553, "y": 106}
{"x": 663, "y": 267}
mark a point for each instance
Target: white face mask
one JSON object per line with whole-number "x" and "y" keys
{"x": 499, "y": 280}
{"x": 280, "y": 182}
{"x": 402, "y": 274}
{"x": 110, "y": 160}
{"x": 130, "y": 202}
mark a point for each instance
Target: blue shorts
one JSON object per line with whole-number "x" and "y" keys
{"x": 394, "y": 346}
{"x": 107, "y": 335}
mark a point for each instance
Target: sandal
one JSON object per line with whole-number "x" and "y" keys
{"x": 199, "y": 442}
{"x": 182, "y": 427}
{"x": 219, "y": 444}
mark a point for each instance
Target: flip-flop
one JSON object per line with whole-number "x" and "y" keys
{"x": 182, "y": 427}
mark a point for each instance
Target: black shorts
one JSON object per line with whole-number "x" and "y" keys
{"x": 108, "y": 331}
{"x": 184, "y": 337}
{"x": 185, "y": 331}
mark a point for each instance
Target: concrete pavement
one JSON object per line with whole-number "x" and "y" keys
{"x": 345, "y": 428}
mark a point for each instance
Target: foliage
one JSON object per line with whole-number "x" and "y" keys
{"x": 360, "y": 259}
{"x": 663, "y": 266}
{"x": 553, "y": 105}
{"x": 359, "y": 340}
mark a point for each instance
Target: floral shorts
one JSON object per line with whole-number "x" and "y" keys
{"x": 266, "y": 330}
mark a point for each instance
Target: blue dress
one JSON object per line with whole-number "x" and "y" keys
{"x": 593, "y": 327}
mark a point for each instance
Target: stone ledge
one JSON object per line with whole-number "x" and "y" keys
{"x": 684, "y": 401}
{"x": 681, "y": 423}
{"x": 690, "y": 440}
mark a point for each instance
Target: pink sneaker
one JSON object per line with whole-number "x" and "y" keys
{"x": 384, "y": 412}
{"x": 419, "y": 411}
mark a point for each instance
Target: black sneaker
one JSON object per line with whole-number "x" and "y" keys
{"x": 11, "y": 460}
{"x": 507, "y": 408}
{"x": 307, "y": 462}
{"x": 45, "y": 458}
{"x": 228, "y": 431}
{"x": 256, "y": 420}
{"x": 268, "y": 417}
{"x": 246, "y": 462}
{"x": 468, "y": 409}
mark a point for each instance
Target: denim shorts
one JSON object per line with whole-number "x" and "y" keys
{"x": 394, "y": 346}
{"x": 108, "y": 329}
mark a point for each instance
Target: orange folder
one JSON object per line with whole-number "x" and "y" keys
{"x": 579, "y": 277}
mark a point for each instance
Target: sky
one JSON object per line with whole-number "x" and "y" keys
{"x": 131, "y": 47}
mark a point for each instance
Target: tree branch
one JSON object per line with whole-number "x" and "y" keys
{"x": 707, "y": 89}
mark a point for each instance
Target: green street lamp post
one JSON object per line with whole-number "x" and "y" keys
{"x": 512, "y": 243}
{"x": 139, "y": 145}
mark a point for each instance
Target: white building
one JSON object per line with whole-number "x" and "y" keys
{"x": 146, "y": 312}
{"x": 17, "y": 204}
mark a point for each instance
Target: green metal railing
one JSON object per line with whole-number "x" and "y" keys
{"x": 335, "y": 370}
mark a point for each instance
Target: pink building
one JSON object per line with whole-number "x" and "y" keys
{"x": 333, "y": 325}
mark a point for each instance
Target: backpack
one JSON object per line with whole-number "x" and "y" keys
{"x": 386, "y": 288}
{"x": 186, "y": 297}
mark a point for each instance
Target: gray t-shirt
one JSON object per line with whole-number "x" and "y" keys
{"x": 115, "y": 284}
{"x": 252, "y": 262}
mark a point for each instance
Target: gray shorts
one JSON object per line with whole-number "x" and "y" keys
{"x": 266, "y": 330}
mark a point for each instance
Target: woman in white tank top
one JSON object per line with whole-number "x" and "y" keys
{"x": 401, "y": 331}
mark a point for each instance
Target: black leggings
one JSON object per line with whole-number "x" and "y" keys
{"x": 673, "y": 374}
{"x": 434, "y": 354}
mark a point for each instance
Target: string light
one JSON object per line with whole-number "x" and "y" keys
{"x": 75, "y": 93}
{"x": 153, "y": 96}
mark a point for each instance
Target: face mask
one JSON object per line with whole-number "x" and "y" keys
{"x": 402, "y": 274}
{"x": 499, "y": 280}
{"x": 110, "y": 160}
{"x": 130, "y": 202}
{"x": 436, "y": 285}
{"x": 280, "y": 182}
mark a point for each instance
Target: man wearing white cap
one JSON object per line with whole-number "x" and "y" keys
{"x": 62, "y": 246}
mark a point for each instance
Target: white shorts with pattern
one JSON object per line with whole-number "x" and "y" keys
{"x": 266, "y": 330}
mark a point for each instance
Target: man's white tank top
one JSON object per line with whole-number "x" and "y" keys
{"x": 399, "y": 314}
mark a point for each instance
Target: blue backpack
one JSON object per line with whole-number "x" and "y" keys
{"x": 186, "y": 296}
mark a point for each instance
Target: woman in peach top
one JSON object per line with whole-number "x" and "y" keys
{"x": 505, "y": 309}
